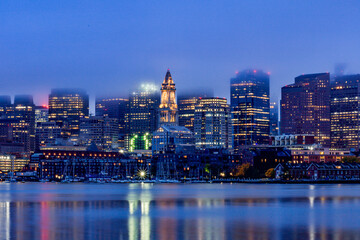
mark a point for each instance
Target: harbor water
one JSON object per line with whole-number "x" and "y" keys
{"x": 179, "y": 211}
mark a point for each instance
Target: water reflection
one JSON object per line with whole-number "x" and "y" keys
{"x": 145, "y": 211}
{"x": 139, "y": 223}
{"x": 5, "y": 219}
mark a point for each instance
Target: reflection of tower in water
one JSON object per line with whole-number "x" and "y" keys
{"x": 139, "y": 227}
{"x": 5, "y": 220}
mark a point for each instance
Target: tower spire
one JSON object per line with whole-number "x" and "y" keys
{"x": 168, "y": 106}
{"x": 168, "y": 79}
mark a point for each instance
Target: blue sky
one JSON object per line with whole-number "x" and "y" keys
{"x": 109, "y": 47}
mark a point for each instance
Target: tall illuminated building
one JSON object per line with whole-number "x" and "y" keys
{"x": 187, "y": 112}
{"x": 274, "y": 119}
{"x": 212, "y": 123}
{"x": 114, "y": 107}
{"x": 5, "y": 106}
{"x": 18, "y": 121}
{"x": 345, "y": 112}
{"x": 142, "y": 117}
{"x": 67, "y": 107}
{"x": 168, "y": 114}
{"x": 186, "y": 106}
{"x": 250, "y": 108}
{"x": 23, "y": 115}
{"x": 305, "y": 107}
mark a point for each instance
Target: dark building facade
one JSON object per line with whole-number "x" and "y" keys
{"x": 67, "y": 107}
{"x": 142, "y": 117}
{"x": 270, "y": 157}
{"x": 47, "y": 133}
{"x": 59, "y": 165}
{"x": 5, "y": 106}
{"x": 208, "y": 164}
{"x": 113, "y": 108}
{"x": 345, "y": 112}
{"x": 103, "y": 131}
{"x": 20, "y": 133}
{"x": 318, "y": 171}
{"x": 305, "y": 107}
{"x": 250, "y": 108}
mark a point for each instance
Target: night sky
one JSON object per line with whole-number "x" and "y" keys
{"x": 110, "y": 47}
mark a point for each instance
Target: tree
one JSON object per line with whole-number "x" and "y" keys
{"x": 270, "y": 173}
{"x": 207, "y": 168}
{"x": 242, "y": 170}
{"x": 350, "y": 159}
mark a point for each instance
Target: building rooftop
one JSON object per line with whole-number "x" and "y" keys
{"x": 170, "y": 128}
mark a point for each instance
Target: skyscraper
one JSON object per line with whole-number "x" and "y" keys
{"x": 168, "y": 114}
{"x": 24, "y": 112}
{"x": 113, "y": 107}
{"x": 67, "y": 107}
{"x": 305, "y": 107}
{"x": 142, "y": 117}
{"x": 186, "y": 106}
{"x": 212, "y": 123}
{"x": 250, "y": 108}
{"x": 274, "y": 119}
{"x": 345, "y": 112}
{"x": 187, "y": 112}
{"x": 18, "y": 121}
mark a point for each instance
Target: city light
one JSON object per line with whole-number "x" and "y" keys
{"x": 142, "y": 173}
{"x": 148, "y": 87}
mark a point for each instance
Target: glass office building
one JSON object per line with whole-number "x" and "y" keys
{"x": 142, "y": 117}
{"x": 212, "y": 123}
{"x": 345, "y": 112}
{"x": 250, "y": 106}
{"x": 305, "y": 107}
{"x": 67, "y": 107}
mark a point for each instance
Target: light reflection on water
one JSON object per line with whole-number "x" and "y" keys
{"x": 165, "y": 211}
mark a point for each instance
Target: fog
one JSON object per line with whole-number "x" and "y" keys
{"x": 111, "y": 47}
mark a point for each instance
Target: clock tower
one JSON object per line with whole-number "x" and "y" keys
{"x": 168, "y": 107}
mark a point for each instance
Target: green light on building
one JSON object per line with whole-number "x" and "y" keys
{"x": 140, "y": 142}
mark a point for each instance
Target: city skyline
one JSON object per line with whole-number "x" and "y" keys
{"x": 185, "y": 119}
{"x": 39, "y": 101}
{"x": 117, "y": 45}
